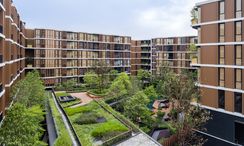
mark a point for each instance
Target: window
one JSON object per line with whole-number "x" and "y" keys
{"x": 221, "y": 10}
{"x": 238, "y": 8}
{"x": 238, "y": 55}
{"x": 238, "y": 78}
{"x": 221, "y": 99}
{"x": 238, "y": 31}
{"x": 221, "y": 77}
{"x": 238, "y": 102}
{"x": 221, "y": 32}
{"x": 221, "y": 55}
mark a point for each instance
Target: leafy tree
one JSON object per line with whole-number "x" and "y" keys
{"x": 151, "y": 93}
{"x": 30, "y": 91}
{"x": 102, "y": 69}
{"x": 144, "y": 76}
{"x": 120, "y": 86}
{"x": 91, "y": 79}
{"x": 21, "y": 126}
{"x": 181, "y": 89}
{"x": 113, "y": 74}
{"x": 69, "y": 84}
{"x": 136, "y": 109}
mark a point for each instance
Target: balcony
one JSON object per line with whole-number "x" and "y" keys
{"x": 1, "y": 58}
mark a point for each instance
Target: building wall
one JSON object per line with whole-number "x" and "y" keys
{"x": 210, "y": 64}
{"x": 173, "y": 52}
{"x": 62, "y": 55}
{"x": 12, "y": 52}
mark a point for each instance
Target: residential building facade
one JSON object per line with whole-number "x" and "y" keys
{"x": 63, "y": 55}
{"x": 141, "y": 56}
{"x": 220, "y": 35}
{"x": 174, "y": 52}
{"x": 12, "y": 52}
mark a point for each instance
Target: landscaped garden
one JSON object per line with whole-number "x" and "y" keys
{"x": 131, "y": 98}
{"x": 93, "y": 124}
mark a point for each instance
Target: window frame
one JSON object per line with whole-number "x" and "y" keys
{"x": 221, "y": 14}
{"x": 237, "y": 12}
{"x": 238, "y": 36}
{"x": 221, "y": 36}
{"x": 236, "y": 81}
{"x": 221, "y": 104}
{"x": 237, "y": 102}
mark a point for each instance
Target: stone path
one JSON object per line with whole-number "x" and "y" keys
{"x": 85, "y": 99}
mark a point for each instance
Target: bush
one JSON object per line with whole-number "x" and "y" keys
{"x": 71, "y": 103}
{"x": 81, "y": 109}
{"x": 88, "y": 118}
{"x": 108, "y": 129}
{"x": 58, "y": 94}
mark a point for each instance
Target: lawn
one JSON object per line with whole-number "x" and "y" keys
{"x": 66, "y": 104}
{"x": 63, "y": 135}
{"x": 88, "y": 129}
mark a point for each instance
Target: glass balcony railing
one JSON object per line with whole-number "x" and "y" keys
{"x": 1, "y": 58}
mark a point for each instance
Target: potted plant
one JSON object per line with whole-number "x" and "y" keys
{"x": 194, "y": 16}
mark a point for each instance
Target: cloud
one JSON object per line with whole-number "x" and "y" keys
{"x": 141, "y": 19}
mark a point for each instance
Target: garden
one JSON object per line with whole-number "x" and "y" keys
{"x": 131, "y": 99}
{"x": 93, "y": 125}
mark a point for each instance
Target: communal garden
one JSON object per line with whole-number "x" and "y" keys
{"x": 158, "y": 104}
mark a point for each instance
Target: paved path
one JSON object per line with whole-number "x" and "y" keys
{"x": 139, "y": 140}
{"x": 85, "y": 99}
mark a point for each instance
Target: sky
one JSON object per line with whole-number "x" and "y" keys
{"x": 141, "y": 19}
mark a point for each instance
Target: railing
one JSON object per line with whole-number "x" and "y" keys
{"x": 1, "y": 1}
{"x": 1, "y": 58}
{"x": 1, "y": 29}
{"x": 1, "y": 87}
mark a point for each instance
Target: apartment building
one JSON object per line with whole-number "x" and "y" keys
{"x": 62, "y": 55}
{"x": 141, "y": 55}
{"x": 12, "y": 52}
{"x": 220, "y": 31}
{"x": 173, "y": 52}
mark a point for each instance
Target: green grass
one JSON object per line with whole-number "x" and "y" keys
{"x": 88, "y": 133}
{"x": 63, "y": 135}
{"x": 58, "y": 94}
{"x": 71, "y": 103}
{"x": 81, "y": 109}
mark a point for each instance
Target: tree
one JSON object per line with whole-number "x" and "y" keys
{"x": 69, "y": 84}
{"x": 136, "y": 109}
{"x": 21, "y": 126}
{"x": 102, "y": 69}
{"x": 144, "y": 76}
{"x": 151, "y": 93}
{"x": 181, "y": 89}
{"x": 30, "y": 91}
{"x": 121, "y": 86}
{"x": 91, "y": 79}
{"x": 113, "y": 74}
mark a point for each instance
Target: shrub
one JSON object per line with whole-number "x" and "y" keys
{"x": 108, "y": 129}
{"x": 88, "y": 118}
{"x": 81, "y": 109}
{"x": 58, "y": 94}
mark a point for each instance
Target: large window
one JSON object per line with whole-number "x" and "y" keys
{"x": 221, "y": 77}
{"x": 221, "y": 32}
{"x": 238, "y": 31}
{"x": 221, "y": 55}
{"x": 238, "y": 78}
{"x": 238, "y": 102}
{"x": 238, "y": 55}
{"x": 221, "y": 99}
{"x": 221, "y": 10}
{"x": 238, "y": 8}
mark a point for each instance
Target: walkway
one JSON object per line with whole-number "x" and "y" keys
{"x": 139, "y": 140}
{"x": 85, "y": 99}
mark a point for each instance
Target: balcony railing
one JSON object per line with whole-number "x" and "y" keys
{"x": 1, "y": 1}
{"x": 1, "y": 87}
{"x": 1, "y": 58}
{"x": 1, "y": 29}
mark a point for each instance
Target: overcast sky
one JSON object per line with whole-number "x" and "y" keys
{"x": 141, "y": 19}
